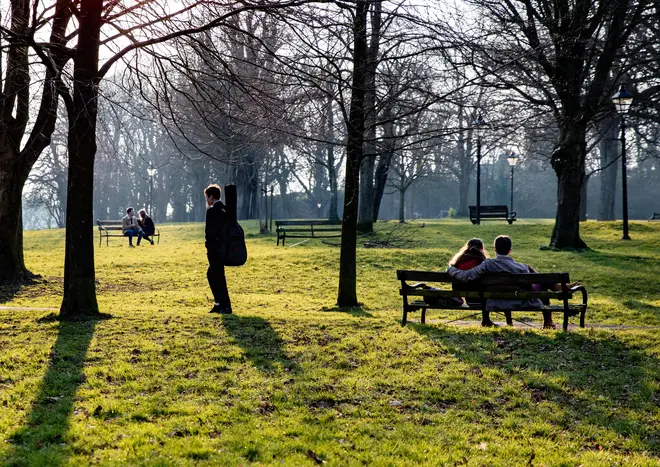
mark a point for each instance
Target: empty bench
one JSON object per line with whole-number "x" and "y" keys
{"x": 113, "y": 228}
{"x": 310, "y": 228}
{"x": 498, "y": 286}
{"x": 655, "y": 216}
{"x": 492, "y": 213}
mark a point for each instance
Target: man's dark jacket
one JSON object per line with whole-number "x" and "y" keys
{"x": 216, "y": 218}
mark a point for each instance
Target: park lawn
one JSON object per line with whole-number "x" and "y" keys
{"x": 290, "y": 379}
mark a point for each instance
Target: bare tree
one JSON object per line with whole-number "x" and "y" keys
{"x": 563, "y": 64}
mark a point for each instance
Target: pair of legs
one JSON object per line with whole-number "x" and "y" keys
{"x": 146, "y": 237}
{"x": 218, "y": 283}
{"x": 547, "y": 319}
{"x": 135, "y": 232}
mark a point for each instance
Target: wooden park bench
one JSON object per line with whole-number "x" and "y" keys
{"x": 492, "y": 213}
{"x": 500, "y": 285}
{"x": 113, "y": 229}
{"x": 655, "y": 216}
{"x": 307, "y": 228}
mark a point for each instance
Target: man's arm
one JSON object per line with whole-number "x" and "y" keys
{"x": 470, "y": 274}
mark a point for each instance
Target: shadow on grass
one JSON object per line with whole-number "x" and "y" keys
{"x": 595, "y": 380}
{"x": 9, "y": 289}
{"x": 42, "y": 440}
{"x": 261, "y": 344}
{"x": 357, "y": 311}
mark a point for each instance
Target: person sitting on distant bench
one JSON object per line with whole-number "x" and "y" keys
{"x": 147, "y": 225}
{"x": 502, "y": 263}
{"x": 130, "y": 227}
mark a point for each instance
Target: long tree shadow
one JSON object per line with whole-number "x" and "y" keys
{"x": 42, "y": 440}
{"x": 261, "y": 344}
{"x": 10, "y": 288}
{"x": 596, "y": 380}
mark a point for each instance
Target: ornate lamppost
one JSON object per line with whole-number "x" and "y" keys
{"x": 622, "y": 100}
{"x": 480, "y": 126}
{"x": 512, "y": 159}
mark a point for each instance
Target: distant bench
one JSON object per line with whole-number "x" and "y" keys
{"x": 492, "y": 213}
{"x": 310, "y": 228}
{"x": 655, "y": 216}
{"x": 113, "y": 229}
{"x": 489, "y": 286}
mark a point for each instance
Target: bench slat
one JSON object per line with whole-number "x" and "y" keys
{"x": 492, "y": 279}
{"x": 476, "y": 294}
{"x": 307, "y": 222}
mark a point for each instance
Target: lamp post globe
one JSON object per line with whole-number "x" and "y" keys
{"x": 479, "y": 125}
{"x": 622, "y": 101}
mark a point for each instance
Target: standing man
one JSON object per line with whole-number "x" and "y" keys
{"x": 216, "y": 217}
{"x": 130, "y": 227}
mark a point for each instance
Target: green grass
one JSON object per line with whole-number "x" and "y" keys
{"x": 289, "y": 379}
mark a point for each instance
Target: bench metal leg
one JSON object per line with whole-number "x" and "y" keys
{"x": 404, "y": 320}
{"x": 509, "y": 319}
{"x": 423, "y": 315}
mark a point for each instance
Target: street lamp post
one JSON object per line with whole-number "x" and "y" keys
{"x": 151, "y": 170}
{"x": 512, "y": 159}
{"x": 622, "y": 100}
{"x": 479, "y": 125}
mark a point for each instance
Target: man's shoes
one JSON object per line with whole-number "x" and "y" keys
{"x": 130, "y": 245}
{"x": 220, "y": 310}
{"x": 152, "y": 242}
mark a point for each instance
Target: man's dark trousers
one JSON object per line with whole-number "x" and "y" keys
{"x": 218, "y": 282}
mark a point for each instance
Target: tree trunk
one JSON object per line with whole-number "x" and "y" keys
{"x": 332, "y": 173}
{"x": 402, "y": 205}
{"x": 15, "y": 165}
{"x": 568, "y": 161}
{"x": 463, "y": 194}
{"x": 367, "y": 192}
{"x": 79, "y": 278}
{"x": 347, "y": 293}
{"x": 609, "y": 152}
{"x": 583, "y": 200}
{"x": 12, "y": 265}
{"x": 384, "y": 161}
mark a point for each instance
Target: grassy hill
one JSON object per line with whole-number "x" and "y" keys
{"x": 290, "y": 379}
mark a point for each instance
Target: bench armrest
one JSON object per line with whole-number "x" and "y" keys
{"x": 580, "y": 288}
{"x": 512, "y": 215}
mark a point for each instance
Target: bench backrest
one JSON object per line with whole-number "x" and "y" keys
{"x": 488, "y": 281}
{"x": 490, "y": 210}
{"x": 307, "y": 222}
{"x": 109, "y": 225}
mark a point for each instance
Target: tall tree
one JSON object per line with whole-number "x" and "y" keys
{"x": 556, "y": 54}
{"x": 19, "y": 150}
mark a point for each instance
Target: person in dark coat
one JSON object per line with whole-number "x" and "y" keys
{"x": 216, "y": 218}
{"x": 147, "y": 225}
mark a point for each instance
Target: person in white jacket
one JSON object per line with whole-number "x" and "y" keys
{"x": 130, "y": 227}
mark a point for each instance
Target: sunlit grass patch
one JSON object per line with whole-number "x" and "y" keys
{"x": 292, "y": 379}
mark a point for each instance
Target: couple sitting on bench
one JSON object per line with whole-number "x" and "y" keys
{"x": 140, "y": 228}
{"x": 472, "y": 262}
